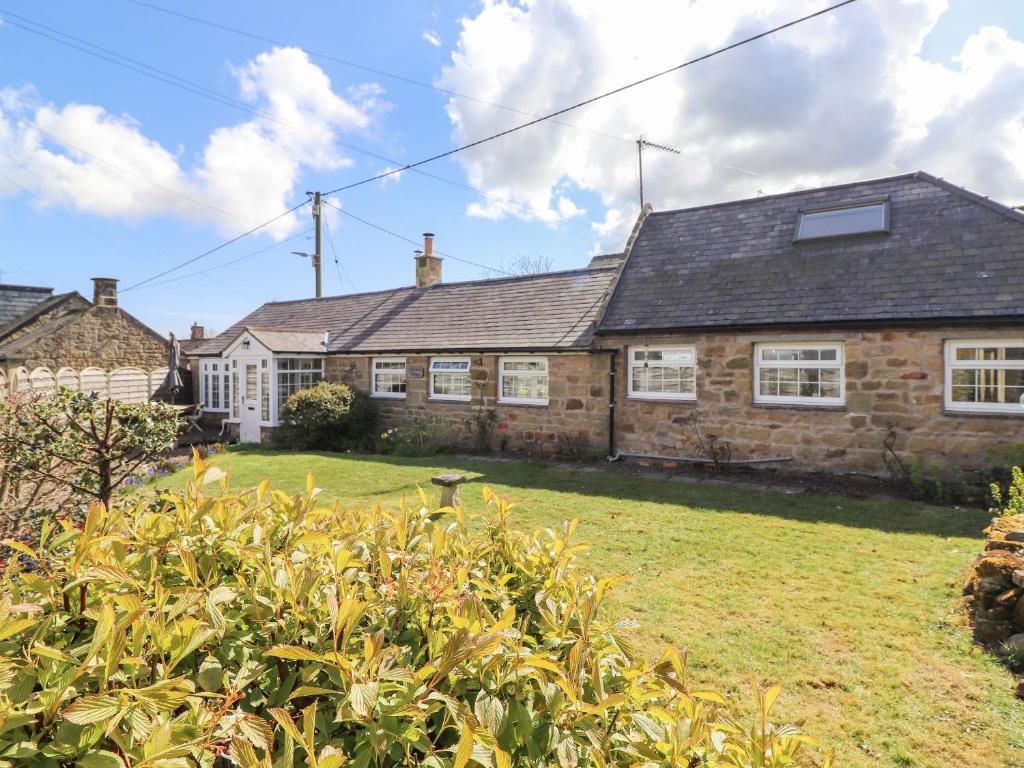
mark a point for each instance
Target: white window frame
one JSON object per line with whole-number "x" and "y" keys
{"x": 953, "y": 364}
{"x": 453, "y": 398}
{"x": 275, "y": 380}
{"x": 646, "y": 395}
{"x": 839, "y": 364}
{"x": 373, "y": 377}
{"x": 206, "y": 376}
{"x": 546, "y": 373}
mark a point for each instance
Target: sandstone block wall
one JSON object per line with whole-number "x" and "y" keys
{"x": 578, "y": 400}
{"x": 893, "y": 377}
{"x": 103, "y": 337}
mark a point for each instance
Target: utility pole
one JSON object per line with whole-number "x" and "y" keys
{"x": 640, "y": 144}
{"x": 315, "y": 257}
{"x": 317, "y": 212}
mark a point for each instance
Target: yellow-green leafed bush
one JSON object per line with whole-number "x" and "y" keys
{"x": 259, "y": 629}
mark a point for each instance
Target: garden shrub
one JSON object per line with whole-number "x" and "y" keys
{"x": 424, "y": 436}
{"x": 1012, "y": 502}
{"x": 78, "y": 442}
{"x": 273, "y": 630}
{"x": 328, "y": 416}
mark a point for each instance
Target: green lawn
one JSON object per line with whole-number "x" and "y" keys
{"x": 851, "y": 605}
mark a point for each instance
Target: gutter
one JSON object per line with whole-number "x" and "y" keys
{"x": 852, "y": 325}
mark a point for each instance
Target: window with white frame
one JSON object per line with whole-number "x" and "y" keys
{"x": 294, "y": 374}
{"x": 799, "y": 374}
{"x": 214, "y": 386}
{"x": 449, "y": 379}
{"x": 234, "y": 389}
{"x": 388, "y": 379}
{"x": 523, "y": 380}
{"x": 985, "y": 376}
{"x": 663, "y": 373}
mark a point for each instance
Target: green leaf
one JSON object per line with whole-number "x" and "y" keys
{"x": 363, "y": 698}
{"x": 100, "y": 759}
{"x": 294, "y": 652}
{"x": 211, "y": 674}
{"x": 91, "y": 709}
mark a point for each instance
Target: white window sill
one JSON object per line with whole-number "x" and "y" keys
{"x": 809, "y": 404}
{"x": 443, "y": 399}
{"x": 381, "y": 396}
{"x": 1016, "y": 410}
{"x": 534, "y": 403}
{"x": 655, "y": 398}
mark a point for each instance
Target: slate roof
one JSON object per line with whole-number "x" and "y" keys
{"x": 34, "y": 312}
{"x": 289, "y": 341}
{"x": 547, "y": 312}
{"x": 16, "y": 300}
{"x": 950, "y": 255}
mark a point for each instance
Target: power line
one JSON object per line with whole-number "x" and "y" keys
{"x": 247, "y": 256}
{"x": 225, "y": 244}
{"x": 591, "y": 100}
{"x": 419, "y": 83}
{"x": 169, "y": 78}
{"x": 49, "y": 184}
{"x": 337, "y": 262}
{"x": 365, "y": 68}
{"x": 126, "y": 172}
{"x": 508, "y": 131}
{"x": 417, "y": 243}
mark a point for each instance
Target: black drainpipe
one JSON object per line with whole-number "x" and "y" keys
{"x": 611, "y": 401}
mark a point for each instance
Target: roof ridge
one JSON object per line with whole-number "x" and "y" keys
{"x": 807, "y": 190}
{"x": 1006, "y": 210}
{"x": 442, "y": 285}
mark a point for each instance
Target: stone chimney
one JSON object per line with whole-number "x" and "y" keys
{"x": 104, "y": 292}
{"x": 198, "y": 332}
{"x": 428, "y": 266}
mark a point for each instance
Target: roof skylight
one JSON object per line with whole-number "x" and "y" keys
{"x": 843, "y": 221}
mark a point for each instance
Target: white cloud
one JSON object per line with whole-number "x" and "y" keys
{"x": 82, "y": 157}
{"x": 432, "y": 37}
{"x": 836, "y": 99}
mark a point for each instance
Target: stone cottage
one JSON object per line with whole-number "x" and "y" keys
{"x": 48, "y": 340}
{"x": 811, "y": 328}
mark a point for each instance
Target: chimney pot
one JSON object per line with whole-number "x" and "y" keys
{"x": 198, "y": 332}
{"x": 104, "y": 292}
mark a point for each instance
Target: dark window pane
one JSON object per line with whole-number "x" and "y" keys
{"x": 842, "y": 221}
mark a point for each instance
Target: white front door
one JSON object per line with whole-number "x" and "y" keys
{"x": 249, "y": 415}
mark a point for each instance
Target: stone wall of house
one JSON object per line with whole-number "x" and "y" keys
{"x": 893, "y": 378}
{"x": 577, "y": 408}
{"x": 103, "y": 337}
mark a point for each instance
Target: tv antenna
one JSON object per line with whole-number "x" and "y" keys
{"x": 640, "y": 144}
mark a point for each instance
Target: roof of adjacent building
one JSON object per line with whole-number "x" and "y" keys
{"x": 547, "y": 312}
{"x": 11, "y": 341}
{"x": 949, "y": 255}
{"x": 16, "y": 300}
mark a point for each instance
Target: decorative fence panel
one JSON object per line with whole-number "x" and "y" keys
{"x": 43, "y": 381}
{"x": 67, "y": 378}
{"x": 95, "y": 380}
{"x": 130, "y": 385}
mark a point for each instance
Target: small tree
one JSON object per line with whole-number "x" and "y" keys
{"x": 86, "y": 444}
{"x": 22, "y": 492}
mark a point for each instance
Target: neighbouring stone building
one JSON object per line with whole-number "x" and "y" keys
{"x": 48, "y": 340}
{"x": 811, "y": 328}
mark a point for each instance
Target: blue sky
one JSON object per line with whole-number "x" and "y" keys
{"x": 59, "y": 239}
